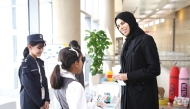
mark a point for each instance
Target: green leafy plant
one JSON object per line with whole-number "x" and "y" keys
{"x": 97, "y": 42}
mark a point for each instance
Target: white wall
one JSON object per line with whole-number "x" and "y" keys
{"x": 163, "y": 80}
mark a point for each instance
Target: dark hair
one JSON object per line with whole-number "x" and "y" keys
{"x": 74, "y": 44}
{"x": 67, "y": 57}
{"x": 32, "y": 43}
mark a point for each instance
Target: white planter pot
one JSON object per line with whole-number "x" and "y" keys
{"x": 96, "y": 79}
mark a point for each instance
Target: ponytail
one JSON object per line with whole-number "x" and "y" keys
{"x": 25, "y": 52}
{"x": 32, "y": 43}
{"x": 56, "y": 80}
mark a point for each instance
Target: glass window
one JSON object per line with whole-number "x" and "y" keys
{"x": 21, "y": 2}
{"x": 151, "y": 23}
{"x": 46, "y": 20}
{"x": 146, "y": 25}
{"x": 88, "y": 6}
{"x": 82, "y": 5}
{"x": 162, "y": 20}
{"x": 14, "y": 29}
{"x": 95, "y": 8}
{"x": 4, "y": 3}
{"x": 157, "y": 21}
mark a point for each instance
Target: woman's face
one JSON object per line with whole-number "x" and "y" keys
{"x": 123, "y": 27}
{"x": 36, "y": 50}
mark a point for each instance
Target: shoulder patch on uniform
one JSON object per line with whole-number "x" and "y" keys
{"x": 25, "y": 60}
{"x": 24, "y": 63}
{"x": 24, "y": 67}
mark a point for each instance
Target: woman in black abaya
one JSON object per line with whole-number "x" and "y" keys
{"x": 139, "y": 65}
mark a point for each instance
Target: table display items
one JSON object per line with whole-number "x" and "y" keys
{"x": 162, "y": 100}
{"x": 181, "y": 102}
{"x": 183, "y": 82}
{"x": 108, "y": 77}
{"x": 107, "y": 97}
{"x": 173, "y": 83}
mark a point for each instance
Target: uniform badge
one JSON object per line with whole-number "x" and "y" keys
{"x": 41, "y": 36}
{"x": 25, "y": 67}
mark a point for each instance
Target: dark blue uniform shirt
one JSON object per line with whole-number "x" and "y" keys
{"x": 30, "y": 93}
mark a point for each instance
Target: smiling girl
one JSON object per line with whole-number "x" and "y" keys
{"x": 34, "y": 92}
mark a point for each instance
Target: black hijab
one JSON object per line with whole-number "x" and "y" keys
{"x": 135, "y": 30}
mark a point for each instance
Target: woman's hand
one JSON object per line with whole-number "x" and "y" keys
{"x": 120, "y": 76}
{"x": 46, "y": 105}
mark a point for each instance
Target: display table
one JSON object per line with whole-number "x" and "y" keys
{"x": 170, "y": 107}
{"x": 114, "y": 103}
{"x": 113, "y": 106}
{"x": 109, "y": 106}
{"x": 105, "y": 87}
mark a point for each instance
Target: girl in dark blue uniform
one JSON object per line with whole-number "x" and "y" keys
{"x": 34, "y": 92}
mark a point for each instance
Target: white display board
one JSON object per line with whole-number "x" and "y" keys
{"x": 50, "y": 57}
{"x": 51, "y": 52}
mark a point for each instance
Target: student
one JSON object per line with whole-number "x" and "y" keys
{"x": 68, "y": 91}
{"x": 80, "y": 76}
{"x": 34, "y": 92}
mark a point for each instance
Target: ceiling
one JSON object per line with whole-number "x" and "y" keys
{"x": 148, "y": 10}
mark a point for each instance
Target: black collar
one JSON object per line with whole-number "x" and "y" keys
{"x": 29, "y": 57}
{"x": 134, "y": 44}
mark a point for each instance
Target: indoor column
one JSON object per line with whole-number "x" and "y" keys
{"x": 106, "y": 17}
{"x": 66, "y": 21}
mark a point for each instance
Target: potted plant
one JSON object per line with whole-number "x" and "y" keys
{"x": 97, "y": 42}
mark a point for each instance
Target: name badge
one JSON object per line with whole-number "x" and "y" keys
{"x": 43, "y": 93}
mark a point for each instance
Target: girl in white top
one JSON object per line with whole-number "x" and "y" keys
{"x": 69, "y": 92}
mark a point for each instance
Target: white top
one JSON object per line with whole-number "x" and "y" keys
{"x": 75, "y": 94}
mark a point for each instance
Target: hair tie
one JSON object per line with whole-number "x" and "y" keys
{"x": 72, "y": 49}
{"x": 59, "y": 63}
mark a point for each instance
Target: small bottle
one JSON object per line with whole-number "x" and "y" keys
{"x": 107, "y": 97}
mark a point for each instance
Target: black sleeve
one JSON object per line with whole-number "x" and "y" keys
{"x": 19, "y": 75}
{"x": 151, "y": 57}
